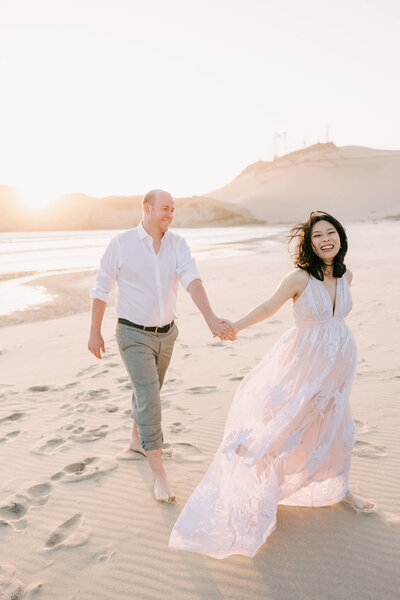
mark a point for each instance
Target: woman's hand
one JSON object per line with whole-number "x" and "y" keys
{"x": 228, "y": 331}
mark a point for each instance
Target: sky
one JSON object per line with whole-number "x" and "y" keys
{"x": 121, "y": 96}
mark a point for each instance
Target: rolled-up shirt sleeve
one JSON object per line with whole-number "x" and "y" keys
{"x": 185, "y": 264}
{"x": 108, "y": 271}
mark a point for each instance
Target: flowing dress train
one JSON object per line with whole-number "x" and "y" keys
{"x": 288, "y": 436}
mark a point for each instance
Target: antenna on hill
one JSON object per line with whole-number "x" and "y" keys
{"x": 275, "y": 143}
{"x": 279, "y": 143}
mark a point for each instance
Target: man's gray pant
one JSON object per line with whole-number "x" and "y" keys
{"x": 146, "y": 356}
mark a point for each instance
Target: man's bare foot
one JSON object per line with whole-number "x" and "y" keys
{"x": 162, "y": 491}
{"x": 358, "y": 503}
{"x": 134, "y": 443}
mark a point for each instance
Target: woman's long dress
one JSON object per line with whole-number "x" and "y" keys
{"x": 288, "y": 436}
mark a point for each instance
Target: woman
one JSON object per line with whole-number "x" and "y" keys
{"x": 289, "y": 431}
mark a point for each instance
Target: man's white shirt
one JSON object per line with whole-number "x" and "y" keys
{"x": 147, "y": 283}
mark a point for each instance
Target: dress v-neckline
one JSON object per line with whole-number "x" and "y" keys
{"x": 333, "y": 304}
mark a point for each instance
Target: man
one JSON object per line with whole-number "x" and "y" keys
{"x": 147, "y": 263}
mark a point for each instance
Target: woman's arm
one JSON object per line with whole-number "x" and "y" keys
{"x": 291, "y": 286}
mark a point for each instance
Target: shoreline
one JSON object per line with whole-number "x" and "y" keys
{"x": 214, "y": 225}
{"x": 69, "y": 295}
{"x": 69, "y": 287}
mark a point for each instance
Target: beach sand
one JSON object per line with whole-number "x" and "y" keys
{"x": 77, "y": 516}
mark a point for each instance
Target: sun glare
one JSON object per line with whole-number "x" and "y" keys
{"x": 36, "y": 196}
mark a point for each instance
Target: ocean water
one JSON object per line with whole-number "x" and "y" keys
{"x": 25, "y": 255}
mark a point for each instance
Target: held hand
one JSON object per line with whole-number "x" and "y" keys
{"x": 96, "y": 344}
{"x": 228, "y": 330}
{"x": 222, "y": 328}
{"x": 219, "y": 330}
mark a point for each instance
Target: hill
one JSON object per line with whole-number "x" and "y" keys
{"x": 351, "y": 182}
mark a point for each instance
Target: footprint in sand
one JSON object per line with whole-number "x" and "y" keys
{"x": 182, "y": 409}
{"x": 71, "y": 533}
{"x": 16, "y": 508}
{"x": 13, "y": 512}
{"x": 82, "y": 407}
{"x": 369, "y": 450}
{"x": 363, "y": 427}
{"x": 92, "y": 394}
{"x": 172, "y": 386}
{"x": 39, "y": 494}
{"x": 177, "y": 427}
{"x": 103, "y": 372}
{"x": 126, "y": 386}
{"x": 201, "y": 389}
{"x": 67, "y": 386}
{"x": 80, "y": 434}
{"x": 9, "y": 436}
{"x": 39, "y": 388}
{"x": 71, "y": 426}
{"x": 16, "y": 416}
{"x": 51, "y": 446}
{"x": 111, "y": 408}
{"x": 12, "y": 588}
{"x": 220, "y": 344}
{"x": 182, "y": 452}
{"x": 261, "y": 334}
{"x": 104, "y": 555}
{"x": 89, "y": 467}
{"x": 87, "y": 370}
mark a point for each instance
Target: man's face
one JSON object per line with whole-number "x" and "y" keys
{"x": 161, "y": 212}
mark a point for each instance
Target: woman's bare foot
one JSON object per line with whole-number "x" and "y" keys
{"x": 358, "y": 503}
{"x": 134, "y": 443}
{"x": 162, "y": 491}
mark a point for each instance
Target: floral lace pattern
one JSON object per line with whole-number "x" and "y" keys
{"x": 288, "y": 436}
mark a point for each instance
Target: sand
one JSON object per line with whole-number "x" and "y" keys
{"x": 77, "y": 516}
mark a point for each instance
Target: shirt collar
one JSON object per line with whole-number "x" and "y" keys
{"x": 142, "y": 232}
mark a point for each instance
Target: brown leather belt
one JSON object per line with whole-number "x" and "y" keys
{"x": 162, "y": 329}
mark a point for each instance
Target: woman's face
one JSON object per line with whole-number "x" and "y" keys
{"x": 325, "y": 241}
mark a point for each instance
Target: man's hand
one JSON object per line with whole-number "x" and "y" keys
{"x": 221, "y": 328}
{"x": 218, "y": 328}
{"x": 229, "y": 330}
{"x": 96, "y": 343}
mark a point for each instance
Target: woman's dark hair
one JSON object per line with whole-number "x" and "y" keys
{"x": 304, "y": 255}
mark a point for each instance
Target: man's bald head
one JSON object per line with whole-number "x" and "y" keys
{"x": 158, "y": 211}
{"x": 153, "y": 195}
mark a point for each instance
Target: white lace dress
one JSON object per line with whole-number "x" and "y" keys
{"x": 288, "y": 436}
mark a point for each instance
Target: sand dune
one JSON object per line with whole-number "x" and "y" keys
{"x": 78, "y": 211}
{"x": 352, "y": 182}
